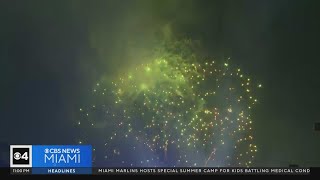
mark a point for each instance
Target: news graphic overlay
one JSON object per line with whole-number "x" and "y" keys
{"x": 21, "y": 156}
{"x": 51, "y": 159}
{"x": 202, "y": 171}
{"x": 77, "y": 159}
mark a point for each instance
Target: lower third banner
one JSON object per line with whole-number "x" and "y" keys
{"x": 51, "y": 159}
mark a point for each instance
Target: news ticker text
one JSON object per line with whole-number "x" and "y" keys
{"x": 161, "y": 171}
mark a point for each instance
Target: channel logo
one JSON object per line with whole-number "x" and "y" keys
{"x": 51, "y": 159}
{"x": 40, "y": 156}
{"x": 62, "y": 156}
{"x": 21, "y": 156}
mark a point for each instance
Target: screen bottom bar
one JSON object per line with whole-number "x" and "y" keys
{"x": 166, "y": 171}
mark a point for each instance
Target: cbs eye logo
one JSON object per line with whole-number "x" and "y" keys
{"x": 20, "y": 155}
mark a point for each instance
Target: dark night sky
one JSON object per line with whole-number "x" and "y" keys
{"x": 51, "y": 52}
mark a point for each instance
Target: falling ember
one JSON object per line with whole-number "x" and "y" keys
{"x": 211, "y": 157}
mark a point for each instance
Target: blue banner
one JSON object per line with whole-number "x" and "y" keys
{"x": 61, "y": 156}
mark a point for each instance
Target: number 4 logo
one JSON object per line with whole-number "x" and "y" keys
{"x": 20, "y": 155}
{"x": 24, "y": 156}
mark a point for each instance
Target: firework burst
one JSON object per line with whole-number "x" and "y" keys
{"x": 184, "y": 113}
